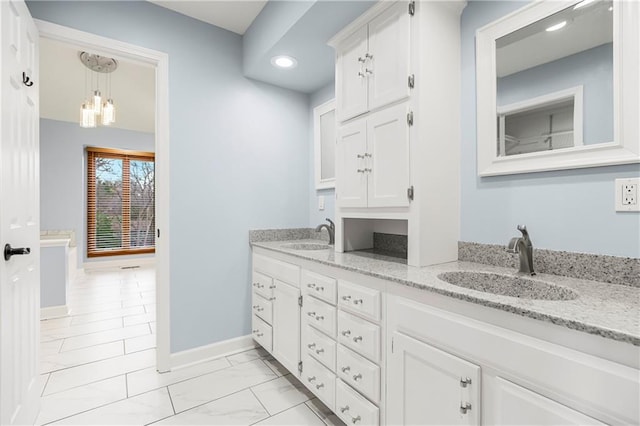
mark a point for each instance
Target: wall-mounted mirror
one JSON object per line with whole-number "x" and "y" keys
{"x": 556, "y": 87}
{"x": 324, "y": 128}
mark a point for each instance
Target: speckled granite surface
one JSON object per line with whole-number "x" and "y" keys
{"x": 609, "y": 269}
{"x": 608, "y": 310}
{"x": 287, "y": 234}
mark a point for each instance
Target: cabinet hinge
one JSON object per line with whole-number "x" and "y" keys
{"x": 299, "y": 366}
{"x": 412, "y": 81}
{"x": 410, "y": 193}
{"x": 410, "y": 118}
{"x": 392, "y": 345}
{"x": 300, "y": 301}
{"x": 412, "y": 8}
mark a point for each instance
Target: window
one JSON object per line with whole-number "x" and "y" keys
{"x": 120, "y": 202}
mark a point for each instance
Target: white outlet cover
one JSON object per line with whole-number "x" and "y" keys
{"x": 320, "y": 202}
{"x": 620, "y": 184}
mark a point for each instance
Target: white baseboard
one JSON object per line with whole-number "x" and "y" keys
{"x": 214, "y": 350}
{"x": 119, "y": 263}
{"x": 54, "y": 312}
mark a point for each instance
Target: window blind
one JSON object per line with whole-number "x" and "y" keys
{"x": 120, "y": 202}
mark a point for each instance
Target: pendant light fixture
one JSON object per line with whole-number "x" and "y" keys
{"x": 93, "y": 107}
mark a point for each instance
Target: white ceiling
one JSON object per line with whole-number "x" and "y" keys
{"x": 62, "y": 88}
{"x": 234, "y": 15}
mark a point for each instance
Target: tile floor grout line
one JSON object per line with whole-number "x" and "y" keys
{"x": 260, "y": 402}
{"x": 173, "y": 407}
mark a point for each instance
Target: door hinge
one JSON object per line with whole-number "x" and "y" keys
{"x": 412, "y": 8}
{"x": 300, "y": 366}
{"x": 300, "y": 301}
{"x": 412, "y": 81}
{"x": 410, "y": 192}
{"x": 410, "y": 118}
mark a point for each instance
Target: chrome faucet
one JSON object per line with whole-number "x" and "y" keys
{"x": 331, "y": 229}
{"x": 522, "y": 246}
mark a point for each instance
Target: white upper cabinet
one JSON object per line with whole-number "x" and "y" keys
{"x": 373, "y": 64}
{"x": 373, "y": 160}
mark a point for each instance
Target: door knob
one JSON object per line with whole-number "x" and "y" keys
{"x": 10, "y": 251}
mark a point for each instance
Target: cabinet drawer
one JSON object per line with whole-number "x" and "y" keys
{"x": 277, "y": 269}
{"x": 360, "y": 373}
{"x": 320, "y": 347}
{"x": 320, "y": 286}
{"x": 319, "y": 380}
{"x": 263, "y": 285}
{"x": 262, "y": 333}
{"x": 359, "y": 335}
{"x": 320, "y": 315}
{"x": 353, "y": 408}
{"x": 262, "y": 307}
{"x": 357, "y": 298}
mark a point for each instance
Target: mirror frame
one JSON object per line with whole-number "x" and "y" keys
{"x": 624, "y": 149}
{"x": 318, "y": 112}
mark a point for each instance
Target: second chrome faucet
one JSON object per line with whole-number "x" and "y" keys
{"x": 524, "y": 247}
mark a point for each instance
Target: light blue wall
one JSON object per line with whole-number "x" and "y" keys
{"x": 318, "y": 216}
{"x": 235, "y": 160}
{"x": 565, "y": 210}
{"x": 63, "y": 172}
{"x": 593, "y": 69}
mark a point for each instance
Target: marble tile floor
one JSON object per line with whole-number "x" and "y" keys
{"x": 98, "y": 368}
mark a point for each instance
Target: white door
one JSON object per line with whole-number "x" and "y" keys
{"x": 388, "y": 146}
{"x": 19, "y": 215}
{"x": 427, "y": 386}
{"x": 389, "y": 38}
{"x": 351, "y": 165}
{"x": 351, "y": 77}
{"x": 286, "y": 325}
{"x": 515, "y": 405}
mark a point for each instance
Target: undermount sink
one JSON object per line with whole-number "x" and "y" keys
{"x": 506, "y": 285}
{"x": 305, "y": 246}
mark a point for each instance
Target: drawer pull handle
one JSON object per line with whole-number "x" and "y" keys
{"x": 465, "y": 382}
{"x": 319, "y": 288}
{"x": 272, "y": 298}
{"x": 311, "y": 379}
{"x": 260, "y": 334}
{"x": 311, "y": 314}
{"x": 345, "y": 298}
{"x": 311, "y": 285}
{"x": 357, "y": 377}
{"x": 355, "y": 420}
{"x": 345, "y": 408}
{"x": 311, "y": 345}
{"x": 464, "y": 408}
{"x": 319, "y": 351}
{"x": 319, "y": 318}
{"x": 357, "y": 339}
{"x": 345, "y": 369}
{"x": 254, "y": 331}
{"x": 346, "y": 333}
{"x": 260, "y": 309}
{"x": 321, "y": 385}
{"x": 272, "y": 286}
{"x": 357, "y": 302}
{"x": 255, "y": 306}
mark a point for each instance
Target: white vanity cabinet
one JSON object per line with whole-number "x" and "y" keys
{"x": 276, "y": 309}
{"x": 372, "y": 64}
{"x": 372, "y": 160}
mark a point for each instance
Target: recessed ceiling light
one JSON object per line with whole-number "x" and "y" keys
{"x": 557, "y": 26}
{"x": 283, "y": 61}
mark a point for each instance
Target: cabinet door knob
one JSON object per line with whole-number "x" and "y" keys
{"x": 321, "y": 385}
{"x": 311, "y": 379}
{"x": 345, "y": 408}
{"x": 311, "y": 345}
{"x": 346, "y": 333}
{"x": 355, "y": 420}
{"x": 465, "y": 407}
{"x": 357, "y": 377}
{"x": 347, "y": 297}
{"x": 311, "y": 314}
{"x": 319, "y": 351}
{"x": 311, "y": 285}
{"x": 345, "y": 369}
{"x": 357, "y": 339}
{"x": 464, "y": 382}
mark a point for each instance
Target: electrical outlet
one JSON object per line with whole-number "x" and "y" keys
{"x": 627, "y": 195}
{"x": 320, "y": 202}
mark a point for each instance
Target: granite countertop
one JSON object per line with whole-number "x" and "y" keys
{"x": 608, "y": 310}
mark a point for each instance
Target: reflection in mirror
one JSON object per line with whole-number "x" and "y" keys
{"x": 324, "y": 123}
{"x": 551, "y": 74}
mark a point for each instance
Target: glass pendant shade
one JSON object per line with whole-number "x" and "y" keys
{"x": 87, "y": 116}
{"x": 108, "y": 113}
{"x": 97, "y": 102}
